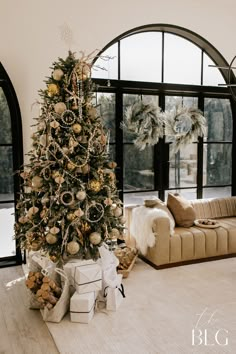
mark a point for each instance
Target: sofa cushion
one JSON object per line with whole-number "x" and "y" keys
{"x": 159, "y": 204}
{"x": 181, "y": 209}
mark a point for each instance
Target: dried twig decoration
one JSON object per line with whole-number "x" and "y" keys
{"x": 185, "y": 125}
{"x": 145, "y": 120}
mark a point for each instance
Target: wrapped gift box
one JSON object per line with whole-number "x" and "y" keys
{"x": 88, "y": 277}
{"x": 84, "y": 276}
{"x": 69, "y": 269}
{"x": 82, "y": 307}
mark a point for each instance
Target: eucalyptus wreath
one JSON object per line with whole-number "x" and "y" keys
{"x": 185, "y": 125}
{"x": 145, "y": 121}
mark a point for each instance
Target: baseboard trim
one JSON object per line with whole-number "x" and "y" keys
{"x": 183, "y": 263}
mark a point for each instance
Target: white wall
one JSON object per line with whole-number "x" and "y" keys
{"x": 30, "y": 33}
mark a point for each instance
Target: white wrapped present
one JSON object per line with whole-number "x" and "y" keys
{"x": 114, "y": 296}
{"x": 82, "y": 307}
{"x": 84, "y": 276}
{"x": 69, "y": 269}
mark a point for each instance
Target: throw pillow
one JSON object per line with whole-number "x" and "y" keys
{"x": 181, "y": 209}
{"x": 158, "y": 203}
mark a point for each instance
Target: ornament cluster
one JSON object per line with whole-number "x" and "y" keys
{"x": 69, "y": 201}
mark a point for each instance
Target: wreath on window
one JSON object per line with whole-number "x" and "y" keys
{"x": 185, "y": 125}
{"x": 145, "y": 121}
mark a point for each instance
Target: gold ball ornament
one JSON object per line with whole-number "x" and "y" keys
{"x": 51, "y": 238}
{"x": 53, "y": 90}
{"x": 117, "y": 212}
{"x": 94, "y": 185}
{"x": 70, "y": 216}
{"x": 60, "y": 107}
{"x": 72, "y": 247}
{"x": 81, "y": 195}
{"x": 37, "y": 182}
{"x": 76, "y": 128}
{"x": 70, "y": 166}
{"x": 57, "y": 74}
{"x": 95, "y": 238}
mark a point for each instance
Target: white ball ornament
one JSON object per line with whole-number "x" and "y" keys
{"x": 115, "y": 233}
{"x": 51, "y": 238}
{"x": 72, "y": 247}
{"x": 95, "y": 238}
{"x": 57, "y": 74}
{"x": 81, "y": 195}
{"x": 60, "y": 107}
{"x": 122, "y": 220}
{"x": 117, "y": 212}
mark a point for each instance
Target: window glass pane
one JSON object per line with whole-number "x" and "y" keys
{"x": 141, "y": 57}
{"x": 217, "y": 161}
{"x": 138, "y": 198}
{"x": 106, "y": 110}
{"x": 138, "y": 168}
{"x": 216, "y": 192}
{"x": 190, "y": 194}
{"x": 6, "y": 175}
{"x": 211, "y": 76}
{"x": 106, "y": 66}
{"x": 7, "y": 243}
{"x": 183, "y": 167}
{"x": 219, "y": 119}
{"x": 5, "y": 120}
{"x": 182, "y": 61}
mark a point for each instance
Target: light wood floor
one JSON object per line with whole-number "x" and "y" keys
{"x": 22, "y": 331}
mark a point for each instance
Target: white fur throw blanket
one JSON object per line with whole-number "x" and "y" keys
{"x": 141, "y": 226}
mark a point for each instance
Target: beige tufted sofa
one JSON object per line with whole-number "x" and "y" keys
{"x": 188, "y": 245}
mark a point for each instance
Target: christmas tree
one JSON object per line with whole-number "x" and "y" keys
{"x": 68, "y": 204}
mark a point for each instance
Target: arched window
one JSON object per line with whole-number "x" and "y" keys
{"x": 170, "y": 66}
{"x": 11, "y": 157}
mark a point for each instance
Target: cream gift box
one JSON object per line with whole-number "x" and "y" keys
{"x": 82, "y": 307}
{"x": 88, "y": 277}
{"x": 69, "y": 269}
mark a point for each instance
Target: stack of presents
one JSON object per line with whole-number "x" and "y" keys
{"x": 87, "y": 285}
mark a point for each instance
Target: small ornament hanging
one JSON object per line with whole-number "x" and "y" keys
{"x": 73, "y": 247}
{"x": 94, "y": 185}
{"x": 67, "y": 198}
{"x": 53, "y": 90}
{"x": 117, "y": 212}
{"x": 76, "y": 128}
{"x": 54, "y": 230}
{"x": 37, "y": 182}
{"x": 59, "y": 107}
{"x": 81, "y": 195}
{"x": 94, "y": 212}
{"x": 51, "y": 238}
{"x": 57, "y": 74}
{"x": 54, "y": 124}
{"x": 95, "y": 238}
{"x": 68, "y": 117}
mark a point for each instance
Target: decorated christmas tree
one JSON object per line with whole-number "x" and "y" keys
{"x": 69, "y": 202}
